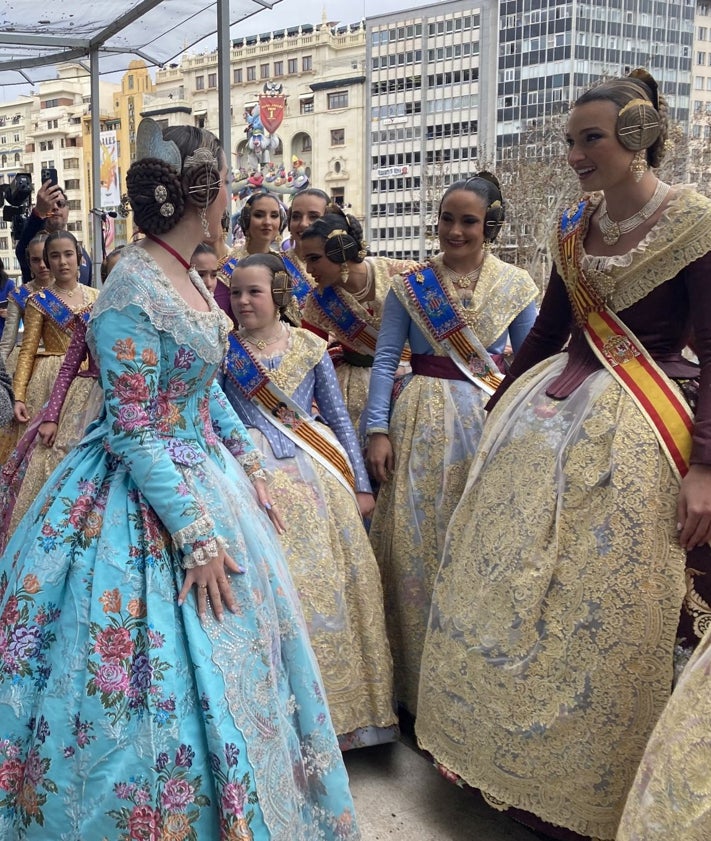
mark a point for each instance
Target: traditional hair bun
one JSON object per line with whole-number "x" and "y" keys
{"x": 201, "y": 178}
{"x": 156, "y": 195}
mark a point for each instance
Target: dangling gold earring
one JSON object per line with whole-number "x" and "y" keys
{"x": 345, "y": 271}
{"x": 639, "y": 165}
{"x": 205, "y": 223}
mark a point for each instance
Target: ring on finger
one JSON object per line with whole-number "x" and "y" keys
{"x": 202, "y": 586}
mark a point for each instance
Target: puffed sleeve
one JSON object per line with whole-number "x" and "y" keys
{"x": 128, "y": 353}
{"x": 11, "y": 329}
{"x": 76, "y": 354}
{"x": 34, "y": 321}
{"x": 332, "y": 407}
{"x": 391, "y": 341}
{"x": 228, "y": 426}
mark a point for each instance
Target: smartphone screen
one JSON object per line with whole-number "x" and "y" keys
{"x": 49, "y": 174}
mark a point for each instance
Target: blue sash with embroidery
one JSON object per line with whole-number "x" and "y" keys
{"x": 55, "y": 309}
{"x": 284, "y": 413}
{"x": 20, "y": 296}
{"x": 349, "y": 326}
{"x": 445, "y": 328}
{"x": 301, "y": 287}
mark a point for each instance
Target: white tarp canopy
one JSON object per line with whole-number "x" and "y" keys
{"x": 36, "y": 35}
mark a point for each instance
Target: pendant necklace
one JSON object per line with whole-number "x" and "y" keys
{"x": 611, "y": 231}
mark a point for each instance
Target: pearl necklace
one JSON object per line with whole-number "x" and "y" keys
{"x": 260, "y": 344}
{"x": 611, "y": 231}
{"x": 465, "y": 281}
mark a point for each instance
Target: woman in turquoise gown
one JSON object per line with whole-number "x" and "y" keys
{"x": 156, "y": 679}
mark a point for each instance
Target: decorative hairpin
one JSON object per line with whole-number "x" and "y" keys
{"x": 150, "y": 144}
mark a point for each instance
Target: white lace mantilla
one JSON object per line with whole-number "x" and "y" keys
{"x": 138, "y": 280}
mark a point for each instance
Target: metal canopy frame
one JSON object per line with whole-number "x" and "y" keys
{"x": 109, "y": 32}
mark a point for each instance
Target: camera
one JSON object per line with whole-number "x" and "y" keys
{"x": 18, "y": 191}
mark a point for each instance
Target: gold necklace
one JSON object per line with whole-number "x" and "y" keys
{"x": 68, "y": 292}
{"x": 362, "y": 294}
{"x": 260, "y": 344}
{"x": 465, "y": 281}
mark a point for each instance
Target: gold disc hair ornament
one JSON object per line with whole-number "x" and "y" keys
{"x": 638, "y": 125}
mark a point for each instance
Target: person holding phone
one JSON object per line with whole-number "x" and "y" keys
{"x": 50, "y": 213}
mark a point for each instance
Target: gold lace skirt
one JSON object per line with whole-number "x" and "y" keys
{"x": 549, "y": 655}
{"x": 336, "y": 576}
{"x": 671, "y": 795}
{"x": 435, "y": 429}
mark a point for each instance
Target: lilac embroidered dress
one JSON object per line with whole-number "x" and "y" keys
{"x": 121, "y": 717}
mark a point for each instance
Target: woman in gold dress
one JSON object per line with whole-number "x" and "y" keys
{"x": 50, "y": 317}
{"x": 455, "y": 312}
{"x": 559, "y": 612}
{"x": 347, "y": 303}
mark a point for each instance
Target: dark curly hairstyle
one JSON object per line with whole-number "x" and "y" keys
{"x": 342, "y": 235}
{"x": 245, "y": 216}
{"x": 159, "y": 195}
{"x": 621, "y": 91}
{"x": 486, "y": 187}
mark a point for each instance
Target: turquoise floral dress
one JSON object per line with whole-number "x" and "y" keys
{"x": 122, "y": 717}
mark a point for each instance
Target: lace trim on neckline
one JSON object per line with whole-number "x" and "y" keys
{"x": 138, "y": 280}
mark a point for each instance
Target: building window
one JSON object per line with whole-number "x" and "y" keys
{"x": 306, "y": 63}
{"x": 212, "y": 80}
{"x": 237, "y": 76}
{"x": 293, "y": 66}
{"x": 199, "y": 83}
{"x": 701, "y": 58}
{"x": 71, "y": 184}
{"x": 252, "y": 73}
{"x": 698, "y": 86}
{"x": 701, "y": 33}
{"x": 306, "y": 106}
{"x": 278, "y": 68}
{"x": 52, "y": 124}
{"x": 306, "y": 143}
{"x": 338, "y": 137}
{"x": 71, "y": 163}
{"x": 3, "y": 244}
{"x": 74, "y": 204}
{"x": 263, "y": 71}
{"x": 337, "y": 100}
{"x": 50, "y": 103}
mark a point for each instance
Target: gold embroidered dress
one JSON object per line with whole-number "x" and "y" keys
{"x": 41, "y": 355}
{"x": 551, "y": 645}
{"x": 354, "y": 375}
{"x": 671, "y": 795}
{"x": 326, "y": 546}
{"x": 434, "y": 429}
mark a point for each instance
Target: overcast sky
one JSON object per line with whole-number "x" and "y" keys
{"x": 284, "y": 14}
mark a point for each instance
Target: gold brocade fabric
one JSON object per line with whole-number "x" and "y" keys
{"x": 434, "y": 429}
{"x": 671, "y": 796}
{"x": 334, "y": 570}
{"x": 81, "y": 407}
{"x": 549, "y": 655}
{"x": 354, "y": 380}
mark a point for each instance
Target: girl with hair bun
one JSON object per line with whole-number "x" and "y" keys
{"x": 575, "y": 579}
{"x": 317, "y": 470}
{"x": 166, "y": 686}
{"x": 347, "y": 303}
{"x": 455, "y": 312}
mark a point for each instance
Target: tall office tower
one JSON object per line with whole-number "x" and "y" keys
{"x": 458, "y": 85}
{"x": 551, "y": 51}
{"x": 432, "y": 79}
